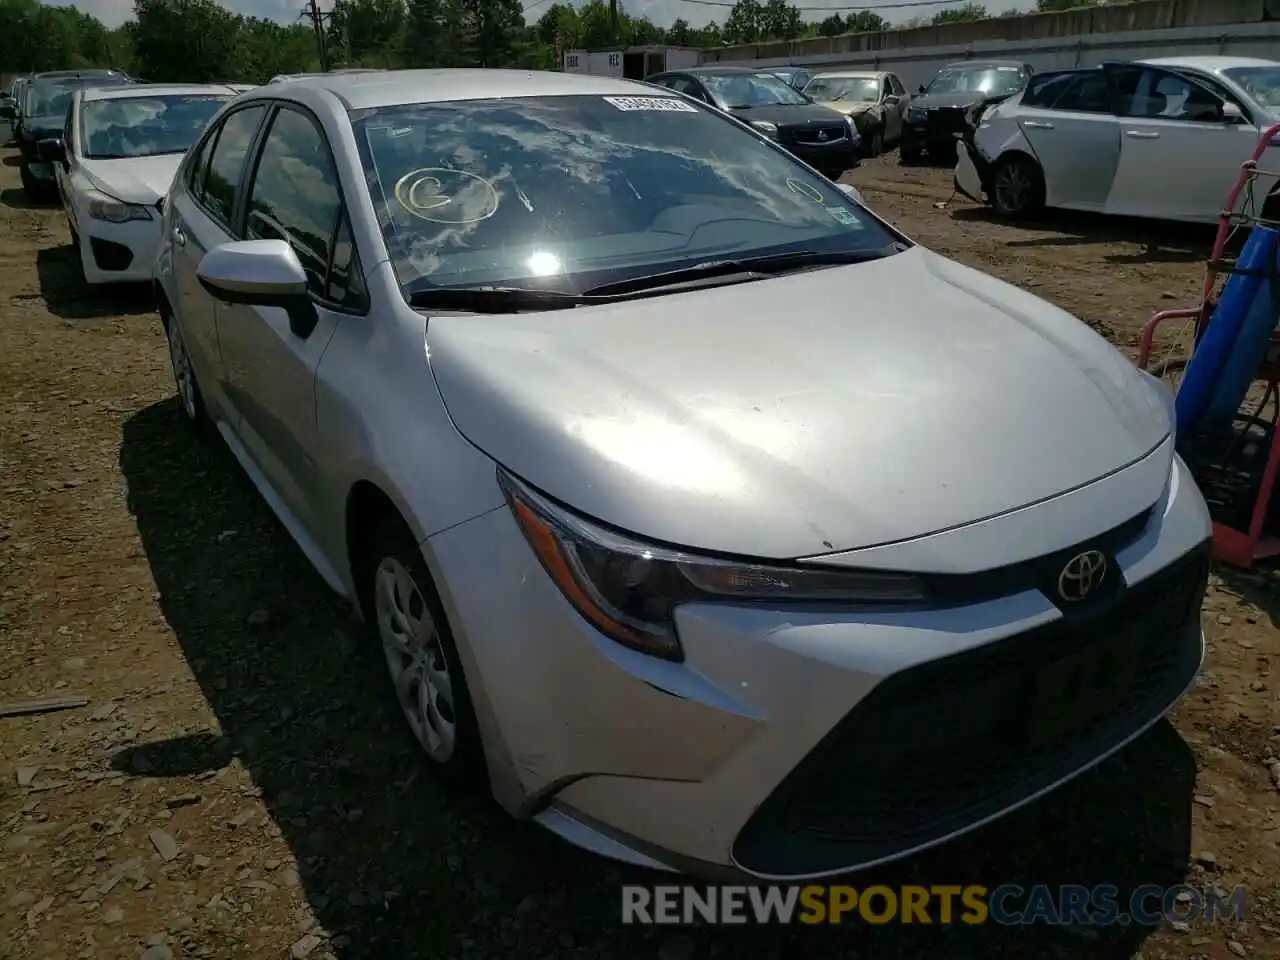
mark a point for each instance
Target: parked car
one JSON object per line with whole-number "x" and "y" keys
{"x": 609, "y": 419}
{"x": 286, "y": 77}
{"x": 1159, "y": 138}
{"x": 876, "y": 100}
{"x": 794, "y": 76}
{"x": 11, "y": 112}
{"x": 952, "y": 100}
{"x": 114, "y": 162}
{"x": 44, "y": 114}
{"x": 826, "y": 140}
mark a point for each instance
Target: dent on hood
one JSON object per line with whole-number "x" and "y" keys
{"x": 1137, "y": 407}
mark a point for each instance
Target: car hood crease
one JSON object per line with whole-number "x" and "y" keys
{"x": 818, "y": 412}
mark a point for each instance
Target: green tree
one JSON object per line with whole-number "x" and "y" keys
{"x": 185, "y": 40}
{"x": 963, "y": 14}
{"x": 494, "y": 30}
{"x": 680, "y": 34}
{"x": 744, "y": 22}
{"x": 780, "y": 21}
{"x": 1054, "y": 6}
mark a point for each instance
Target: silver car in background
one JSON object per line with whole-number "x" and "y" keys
{"x": 699, "y": 515}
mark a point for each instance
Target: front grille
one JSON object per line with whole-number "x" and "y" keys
{"x": 949, "y": 743}
{"x": 944, "y": 121}
{"x": 110, "y": 256}
{"x": 814, "y": 136}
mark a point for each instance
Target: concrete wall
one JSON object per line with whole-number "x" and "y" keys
{"x": 1082, "y": 37}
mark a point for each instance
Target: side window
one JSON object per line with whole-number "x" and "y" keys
{"x": 198, "y": 170}
{"x": 295, "y": 197}
{"x": 1087, "y": 93}
{"x": 1168, "y": 96}
{"x": 227, "y": 162}
{"x": 685, "y": 85}
{"x": 898, "y": 88}
{"x": 1046, "y": 88}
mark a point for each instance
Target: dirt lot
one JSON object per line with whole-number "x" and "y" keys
{"x": 237, "y": 786}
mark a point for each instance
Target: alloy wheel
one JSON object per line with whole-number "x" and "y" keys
{"x": 1013, "y": 188}
{"x": 419, "y": 671}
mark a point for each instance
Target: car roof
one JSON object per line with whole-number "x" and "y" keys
{"x": 130, "y": 90}
{"x": 983, "y": 63}
{"x": 713, "y": 69}
{"x": 1211, "y": 64}
{"x": 360, "y": 91}
{"x": 851, "y": 74}
{"x": 74, "y": 74}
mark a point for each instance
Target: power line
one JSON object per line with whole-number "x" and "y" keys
{"x": 318, "y": 17}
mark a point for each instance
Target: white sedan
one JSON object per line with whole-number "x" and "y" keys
{"x": 119, "y": 150}
{"x": 1158, "y": 138}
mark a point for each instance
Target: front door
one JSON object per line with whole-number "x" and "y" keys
{"x": 1073, "y": 132}
{"x": 293, "y": 195}
{"x": 1179, "y": 154}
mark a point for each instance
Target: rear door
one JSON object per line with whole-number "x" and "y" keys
{"x": 1069, "y": 123}
{"x": 1179, "y": 155}
{"x": 201, "y": 218}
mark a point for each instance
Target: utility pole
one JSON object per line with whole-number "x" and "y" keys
{"x": 318, "y": 19}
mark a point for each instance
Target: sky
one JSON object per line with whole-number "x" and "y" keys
{"x": 661, "y": 12}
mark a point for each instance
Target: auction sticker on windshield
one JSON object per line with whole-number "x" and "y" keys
{"x": 667, "y": 104}
{"x": 844, "y": 216}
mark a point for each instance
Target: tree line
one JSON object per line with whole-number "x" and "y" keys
{"x": 200, "y": 40}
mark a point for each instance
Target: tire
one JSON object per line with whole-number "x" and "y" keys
{"x": 407, "y": 622}
{"x": 190, "y": 399}
{"x": 30, "y": 185}
{"x": 1017, "y": 187}
{"x": 909, "y": 156}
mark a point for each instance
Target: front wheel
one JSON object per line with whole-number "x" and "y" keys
{"x": 30, "y": 185}
{"x": 1017, "y": 187}
{"x": 426, "y": 675}
{"x": 875, "y": 145}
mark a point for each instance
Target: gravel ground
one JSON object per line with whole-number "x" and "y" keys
{"x": 238, "y": 787}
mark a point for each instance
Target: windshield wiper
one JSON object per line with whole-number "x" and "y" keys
{"x": 753, "y": 268}
{"x": 495, "y": 299}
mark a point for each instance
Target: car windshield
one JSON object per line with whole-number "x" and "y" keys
{"x": 573, "y": 192}
{"x": 853, "y": 89}
{"x": 1261, "y": 83}
{"x": 145, "y": 126}
{"x": 739, "y": 91}
{"x": 992, "y": 81}
{"x": 50, "y": 98}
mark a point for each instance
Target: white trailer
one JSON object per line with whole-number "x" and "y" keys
{"x": 631, "y": 63}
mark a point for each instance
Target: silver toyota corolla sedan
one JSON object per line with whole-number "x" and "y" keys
{"x": 700, "y": 515}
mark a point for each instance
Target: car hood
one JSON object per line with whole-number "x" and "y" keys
{"x": 783, "y": 114}
{"x": 817, "y": 412}
{"x": 134, "y": 179}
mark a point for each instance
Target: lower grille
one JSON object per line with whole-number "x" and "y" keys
{"x": 949, "y": 743}
{"x": 945, "y": 121}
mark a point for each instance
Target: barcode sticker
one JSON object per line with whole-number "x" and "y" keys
{"x": 660, "y": 104}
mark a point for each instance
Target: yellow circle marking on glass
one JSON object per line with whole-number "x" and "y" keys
{"x": 442, "y": 195}
{"x": 805, "y": 190}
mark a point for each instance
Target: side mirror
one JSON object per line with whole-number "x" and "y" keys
{"x": 851, "y": 191}
{"x": 52, "y": 150}
{"x": 1231, "y": 113}
{"x": 260, "y": 273}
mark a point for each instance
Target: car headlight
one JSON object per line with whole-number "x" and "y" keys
{"x": 916, "y": 114}
{"x": 629, "y": 590}
{"x": 767, "y": 127}
{"x": 103, "y": 207}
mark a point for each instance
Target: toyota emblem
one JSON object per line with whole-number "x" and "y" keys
{"x": 1082, "y": 573}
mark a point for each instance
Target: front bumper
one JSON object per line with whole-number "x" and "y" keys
{"x": 796, "y": 744}
{"x": 834, "y": 158}
{"x": 119, "y": 252}
{"x": 935, "y": 132}
{"x": 973, "y": 172}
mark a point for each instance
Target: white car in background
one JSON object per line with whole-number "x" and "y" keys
{"x": 1150, "y": 138}
{"x": 119, "y": 150}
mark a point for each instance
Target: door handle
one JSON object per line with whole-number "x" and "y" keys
{"x": 179, "y": 235}
{"x": 1038, "y": 124}
{"x": 1142, "y": 134}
